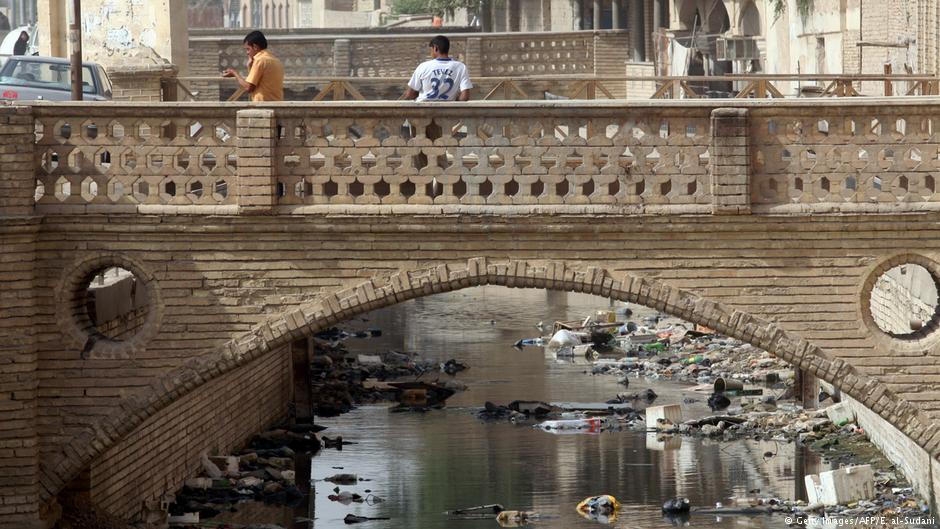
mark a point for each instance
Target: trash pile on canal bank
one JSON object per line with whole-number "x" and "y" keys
{"x": 864, "y": 484}
{"x": 264, "y": 471}
{"x": 659, "y": 347}
{"x": 752, "y": 390}
{"x": 570, "y": 417}
{"x": 341, "y": 380}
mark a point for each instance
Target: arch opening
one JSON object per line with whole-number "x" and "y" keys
{"x": 387, "y": 290}
{"x": 903, "y": 301}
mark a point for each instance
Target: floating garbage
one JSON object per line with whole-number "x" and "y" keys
{"x": 515, "y": 518}
{"x": 564, "y": 338}
{"x": 345, "y": 497}
{"x": 480, "y": 510}
{"x": 718, "y": 401}
{"x": 727, "y": 384}
{"x": 352, "y": 518}
{"x": 663, "y": 417}
{"x": 676, "y": 506}
{"x": 421, "y": 394}
{"x": 529, "y": 342}
{"x": 452, "y": 367}
{"x": 587, "y": 425}
{"x": 532, "y": 407}
{"x": 184, "y": 519}
{"x": 601, "y": 508}
{"x": 343, "y": 479}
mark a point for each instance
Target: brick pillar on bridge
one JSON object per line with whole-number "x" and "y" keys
{"x": 19, "y": 458}
{"x": 257, "y": 181}
{"x": 473, "y": 56}
{"x": 342, "y": 58}
{"x": 729, "y": 161}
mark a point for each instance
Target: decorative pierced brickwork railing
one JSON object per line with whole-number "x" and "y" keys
{"x": 123, "y": 157}
{"x": 824, "y": 157}
{"x": 642, "y": 157}
{"x": 559, "y": 155}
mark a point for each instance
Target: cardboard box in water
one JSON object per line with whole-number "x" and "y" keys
{"x": 660, "y": 443}
{"x": 840, "y": 414}
{"x": 841, "y": 486}
{"x": 670, "y": 412}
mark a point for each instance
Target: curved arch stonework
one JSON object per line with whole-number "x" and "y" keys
{"x": 81, "y": 450}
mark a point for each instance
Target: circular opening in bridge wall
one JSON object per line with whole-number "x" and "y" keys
{"x": 115, "y": 304}
{"x": 108, "y": 306}
{"x": 903, "y": 301}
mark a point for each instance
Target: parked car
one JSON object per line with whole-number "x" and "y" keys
{"x": 31, "y": 78}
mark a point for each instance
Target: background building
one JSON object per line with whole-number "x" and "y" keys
{"x": 19, "y": 12}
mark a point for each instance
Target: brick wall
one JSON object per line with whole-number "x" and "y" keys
{"x": 204, "y": 61}
{"x": 216, "y": 419}
{"x": 611, "y": 52}
{"x": 640, "y": 89}
{"x": 124, "y": 326}
{"x": 140, "y": 83}
{"x": 889, "y": 22}
{"x": 19, "y": 442}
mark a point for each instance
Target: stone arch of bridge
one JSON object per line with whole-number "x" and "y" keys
{"x": 332, "y": 308}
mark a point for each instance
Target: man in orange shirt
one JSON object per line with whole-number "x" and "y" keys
{"x": 265, "y": 81}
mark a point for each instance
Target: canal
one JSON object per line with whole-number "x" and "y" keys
{"x": 423, "y": 464}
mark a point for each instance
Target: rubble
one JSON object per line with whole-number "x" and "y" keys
{"x": 341, "y": 380}
{"x": 843, "y": 446}
{"x": 263, "y": 471}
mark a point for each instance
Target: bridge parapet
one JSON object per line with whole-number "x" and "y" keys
{"x": 872, "y": 157}
{"x": 503, "y": 156}
{"x": 637, "y": 157}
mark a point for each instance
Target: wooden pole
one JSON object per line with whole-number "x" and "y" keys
{"x": 75, "y": 39}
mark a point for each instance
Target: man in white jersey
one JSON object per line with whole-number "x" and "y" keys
{"x": 441, "y": 78}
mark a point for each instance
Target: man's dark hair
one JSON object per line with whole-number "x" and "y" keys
{"x": 257, "y": 38}
{"x": 442, "y": 44}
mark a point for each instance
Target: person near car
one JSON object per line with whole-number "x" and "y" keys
{"x": 265, "y": 81}
{"x": 4, "y": 22}
{"x": 22, "y": 44}
{"x": 441, "y": 78}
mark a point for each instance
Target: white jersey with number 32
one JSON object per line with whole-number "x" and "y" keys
{"x": 440, "y": 80}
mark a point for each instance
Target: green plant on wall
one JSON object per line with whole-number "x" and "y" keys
{"x": 410, "y": 7}
{"x": 803, "y": 7}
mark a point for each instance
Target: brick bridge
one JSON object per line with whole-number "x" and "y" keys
{"x": 249, "y": 228}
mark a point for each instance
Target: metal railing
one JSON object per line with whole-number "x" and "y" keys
{"x": 596, "y": 87}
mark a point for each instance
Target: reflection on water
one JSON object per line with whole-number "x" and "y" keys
{"x": 425, "y": 464}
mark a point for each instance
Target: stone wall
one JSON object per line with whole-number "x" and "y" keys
{"x": 913, "y": 461}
